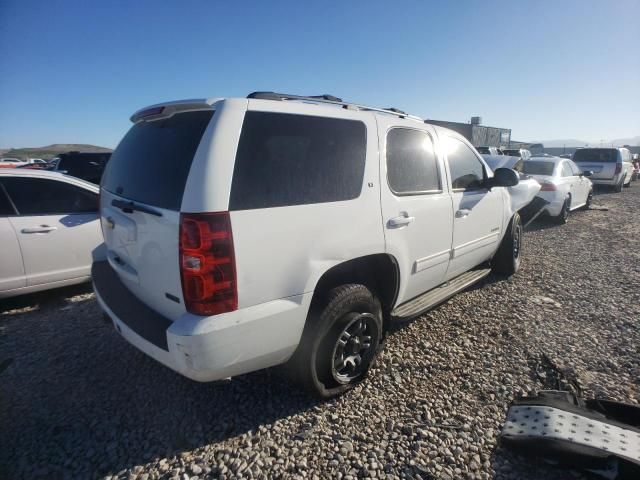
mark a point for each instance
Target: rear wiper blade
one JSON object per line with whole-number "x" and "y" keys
{"x": 130, "y": 207}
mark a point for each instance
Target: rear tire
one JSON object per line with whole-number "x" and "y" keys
{"x": 587, "y": 205}
{"x": 618, "y": 187}
{"x": 563, "y": 216}
{"x": 506, "y": 261}
{"x": 340, "y": 342}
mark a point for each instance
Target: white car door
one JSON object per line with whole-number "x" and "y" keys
{"x": 478, "y": 211}
{"x": 57, "y": 227}
{"x": 416, "y": 205}
{"x": 583, "y": 184}
{"x": 12, "y": 271}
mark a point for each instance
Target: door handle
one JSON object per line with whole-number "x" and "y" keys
{"x": 463, "y": 213}
{"x": 400, "y": 221}
{"x": 40, "y": 229}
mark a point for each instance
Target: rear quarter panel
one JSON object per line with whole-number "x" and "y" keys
{"x": 281, "y": 252}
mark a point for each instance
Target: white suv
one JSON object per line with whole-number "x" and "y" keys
{"x": 244, "y": 233}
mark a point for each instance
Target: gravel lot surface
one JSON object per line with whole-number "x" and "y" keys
{"x": 76, "y": 401}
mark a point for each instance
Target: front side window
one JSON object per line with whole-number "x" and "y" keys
{"x": 412, "y": 165}
{"x": 287, "y": 159}
{"x": 467, "y": 172}
{"x": 40, "y": 196}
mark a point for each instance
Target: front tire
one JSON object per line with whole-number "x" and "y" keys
{"x": 340, "y": 341}
{"x": 507, "y": 259}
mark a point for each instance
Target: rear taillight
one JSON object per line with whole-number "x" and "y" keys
{"x": 547, "y": 187}
{"x": 207, "y": 263}
{"x": 618, "y": 168}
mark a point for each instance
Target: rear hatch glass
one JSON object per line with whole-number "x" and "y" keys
{"x": 152, "y": 162}
{"x": 596, "y": 155}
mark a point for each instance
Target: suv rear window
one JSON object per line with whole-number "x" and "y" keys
{"x": 598, "y": 155}
{"x": 152, "y": 162}
{"x": 287, "y": 159}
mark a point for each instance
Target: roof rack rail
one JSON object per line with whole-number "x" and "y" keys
{"x": 286, "y": 96}
{"x": 330, "y": 99}
{"x": 395, "y": 110}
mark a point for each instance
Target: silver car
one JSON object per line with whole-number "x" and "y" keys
{"x": 610, "y": 166}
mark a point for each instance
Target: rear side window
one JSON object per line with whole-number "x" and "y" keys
{"x": 411, "y": 162}
{"x": 40, "y": 196}
{"x": 152, "y": 162}
{"x": 598, "y": 155}
{"x": 286, "y": 159}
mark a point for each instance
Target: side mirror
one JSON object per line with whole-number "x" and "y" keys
{"x": 587, "y": 173}
{"x": 504, "y": 177}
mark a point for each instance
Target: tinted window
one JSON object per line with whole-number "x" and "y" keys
{"x": 88, "y": 166}
{"x": 5, "y": 205}
{"x": 286, "y": 159}
{"x": 484, "y": 150}
{"x": 411, "y": 161}
{"x": 538, "y": 168}
{"x": 39, "y": 196}
{"x": 603, "y": 155}
{"x": 152, "y": 162}
{"x": 466, "y": 170}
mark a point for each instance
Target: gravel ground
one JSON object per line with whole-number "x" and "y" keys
{"x": 76, "y": 401}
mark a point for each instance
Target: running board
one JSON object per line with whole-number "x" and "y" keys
{"x": 439, "y": 294}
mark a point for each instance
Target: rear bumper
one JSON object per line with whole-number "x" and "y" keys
{"x": 554, "y": 200}
{"x": 205, "y": 348}
{"x": 607, "y": 181}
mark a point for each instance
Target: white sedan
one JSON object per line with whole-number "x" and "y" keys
{"x": 49, "y": 230}
{"x": 564, "y": 186}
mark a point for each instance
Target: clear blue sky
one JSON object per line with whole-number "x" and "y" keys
{"x": 74, "y": 71}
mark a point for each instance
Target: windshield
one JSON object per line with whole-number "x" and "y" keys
{"x": 152, "y": 162}
{"x": 484, "y": 150}
{"x": 598, "y": 155}
{"x": 538, "y": 168}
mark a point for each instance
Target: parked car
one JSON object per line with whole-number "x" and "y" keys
{"x": 564, "y": 186}
{"x": 523, "y": 153}
{"x": 85, "y": 165}
{"x": 49, "y": 231}
{"x": 9, "y": 162}
{"x": 636, "y": 167}
{"x": 244, "y": 233}
{"x": 504, "y": 161}
{"x": 566, "y": 155}
{"x": 495, "y": 151}
{"x": 610, "y": 166}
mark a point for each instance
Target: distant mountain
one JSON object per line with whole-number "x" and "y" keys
{"x": 51, "y": 151}
{"x": 572, "y": 142}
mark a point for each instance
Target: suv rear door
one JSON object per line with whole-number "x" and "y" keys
{"x": 416, "y": 205}
{"x": 141, "y": 197}
{"x": 477, "y": 210}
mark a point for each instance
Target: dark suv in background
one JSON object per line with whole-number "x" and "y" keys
{"x": 85, "y": 165}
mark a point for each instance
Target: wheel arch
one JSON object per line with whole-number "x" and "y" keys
{"x": 378, "y": 272}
